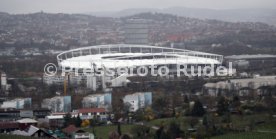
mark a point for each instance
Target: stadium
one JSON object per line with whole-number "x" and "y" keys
{"x": 123, "y": 55}
{"x": 126, "y": 55}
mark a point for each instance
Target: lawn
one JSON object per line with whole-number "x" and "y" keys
{"x": 183, "y": 121}
{"x": 103, "y": 131}
{"x": 242, "y": 121}
{"x": 269, "y": 126}
{"x": 248, "y": 135}
{"x": 238, "y": 121}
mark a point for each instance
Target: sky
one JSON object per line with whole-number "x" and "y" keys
{"x": 84, "y": 6}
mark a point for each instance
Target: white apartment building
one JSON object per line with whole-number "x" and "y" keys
{"x": 138, "y": 100}
{"x": 59, "y": 79}
{"x": 57, "y": 104}
{"x": 242, "y": 86}
{"x": 97, "y": 101}
{"x": 18, "y": 103}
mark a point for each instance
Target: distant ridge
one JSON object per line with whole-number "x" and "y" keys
{"x": 233, "y": 15}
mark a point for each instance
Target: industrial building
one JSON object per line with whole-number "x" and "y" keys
{"x": 252, "y": 62}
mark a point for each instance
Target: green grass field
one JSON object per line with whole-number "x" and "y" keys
{"x": 248, "y": 135}
{"x": 269, "y": 126}
{"x": 238, "y": 121}
{"x": 103, "y": 131}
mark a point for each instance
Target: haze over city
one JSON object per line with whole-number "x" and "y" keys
{"x": 83, "y": 6}
{"x": 138, "y": 69}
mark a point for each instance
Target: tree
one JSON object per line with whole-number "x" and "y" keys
{"x": 226, "y": 118}
{"x": 159, "y": 132}
{"x": 78, "y": 121}
{"x": 85, "y": 123}
{"x": 198, "y": 109}
{"x": 236, "y": 102}
{"x": 222, "y": 106}
{"x": 139, "y": 115}
{"x": 193, "y": 121}
{"x": 149, "y": 115}
{"x": 205, "y": 121}
{"x": 140, "y": 131}
{"x": 126, "y": 108}
{"x": 93, "y": 123}
{"x": 186, "y": 99}
{"x": 174, "y": 129}
{"x": 67, "y": 120}
{"x": 119, "y": 128}
{"x": 159, "y": 105}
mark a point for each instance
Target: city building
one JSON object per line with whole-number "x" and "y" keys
{"x": 26, "y": 123}
{"x": 98, "y": 101}
{"x": 252, "y": 62}
{"x": 35, "y": 113}
{"x": 55, "y": 121}
{"x": 49, "y": 80}
{"x": 18, "y": 103}
{"x": 57, "y": 104}
{"x": 5, "y": 87}
{"x": 91, "y": 113}
{"x": 243, "y": 87}
{"x": 138, "y": 100}
{"x": 33, "y": 131}
{"x": 76, "y": 133}
{"x": 59, "y": 79}
{"x": 3, "y": 81}
{"x": 9, "y": 114}
{"x": 136, "y": 31}
{"x": 92, "y": 82}
{"x": 8, "y": 126}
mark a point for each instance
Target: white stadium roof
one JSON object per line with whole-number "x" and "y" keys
{"x": 124, "y": 55}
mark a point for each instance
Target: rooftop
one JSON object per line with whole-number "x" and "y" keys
{"x": 27, "y": 120}
{"x": 90, "y": 110}
{"x": 70, "y": 129}
{"x": 250, "y": 56}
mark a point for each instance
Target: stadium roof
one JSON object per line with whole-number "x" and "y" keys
{"x": 250, "y": 56}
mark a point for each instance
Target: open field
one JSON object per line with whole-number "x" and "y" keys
{"x": 247, "y": 135}
{"x": 239, "y": 121}
{"x": 103, "y": 131}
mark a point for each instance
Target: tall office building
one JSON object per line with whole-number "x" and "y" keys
{"x": 136, "y": 31}
{"x": 3, "y": 81}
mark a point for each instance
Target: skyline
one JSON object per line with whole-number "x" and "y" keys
{"x": 85, "y": 6}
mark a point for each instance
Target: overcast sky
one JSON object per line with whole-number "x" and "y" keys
{"x": 82, "y": 6}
